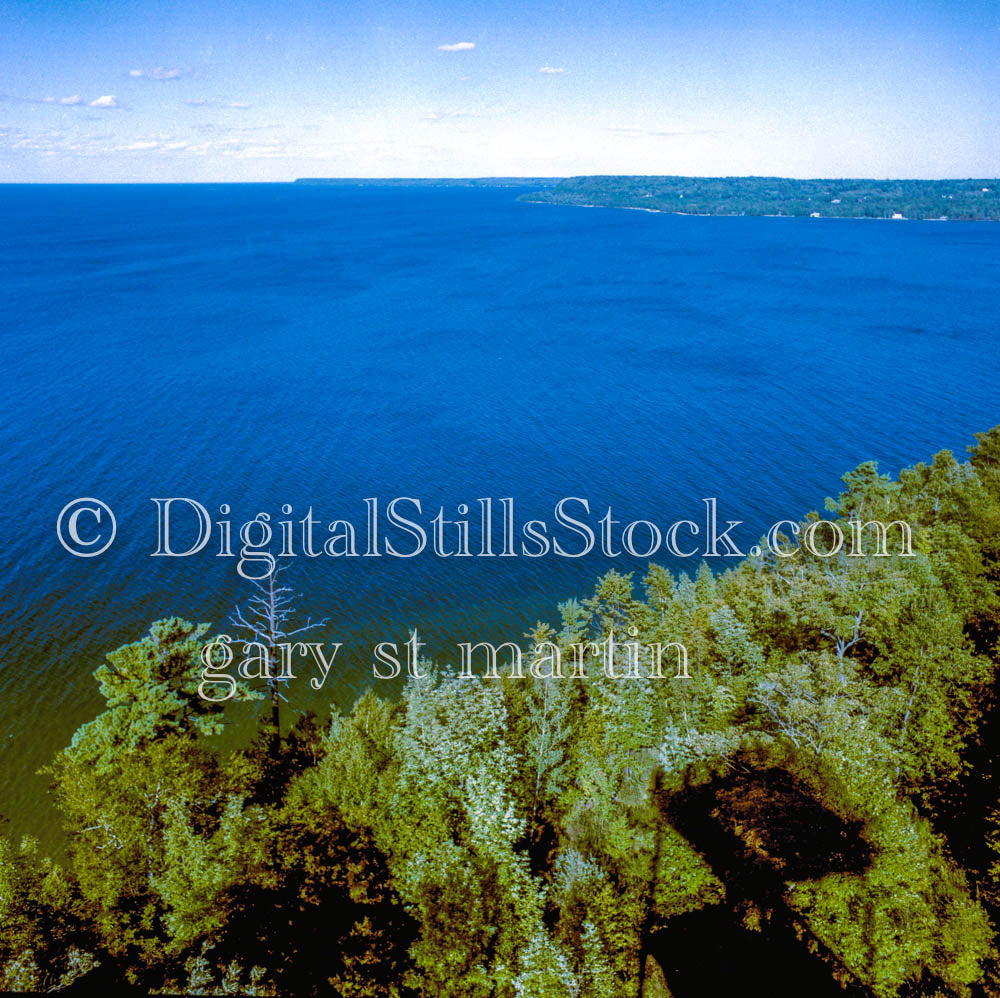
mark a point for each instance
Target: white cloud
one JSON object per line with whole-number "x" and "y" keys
{"x": 68, "y": 101}
{"x": 235, "y": 148}
{"x": 457, "y": 47}
{"x": 159, "y": 73}
{"x": 234, "y": 105}
{"x": 161, "y": 144}
{"x": 647, "y": 133}
{"x": 105, "y": 102}
{"x": 551, "y": 70}
{"x": 445, "y": 115}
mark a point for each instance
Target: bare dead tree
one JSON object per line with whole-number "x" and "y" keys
{"x": 795, "y": 710}
{"x": 267, "y": 618}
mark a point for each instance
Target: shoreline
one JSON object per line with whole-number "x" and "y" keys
{"x": 744, "y": 214}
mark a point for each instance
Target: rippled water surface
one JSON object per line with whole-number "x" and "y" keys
{"x": 277, "y": 344}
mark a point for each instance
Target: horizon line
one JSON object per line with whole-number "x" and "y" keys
{"x": 526, "y": 178}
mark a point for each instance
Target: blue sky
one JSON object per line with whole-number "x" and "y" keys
{"x": 211, "y": 91}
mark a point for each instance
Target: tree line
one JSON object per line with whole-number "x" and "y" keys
{"x": 527, "y": 837}
{"x": 955, "y": 200}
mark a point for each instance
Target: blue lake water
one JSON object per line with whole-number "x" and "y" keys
{"x": 261, "y": 345}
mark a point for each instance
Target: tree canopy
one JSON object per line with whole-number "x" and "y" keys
{"x": 822, "y": 786}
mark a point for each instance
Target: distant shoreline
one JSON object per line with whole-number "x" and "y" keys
{"x": 971, "y": 200}
{"x": 743, "y": 214}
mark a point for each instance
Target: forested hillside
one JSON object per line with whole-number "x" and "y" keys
{"x": 954, "y": 200}
{"x": 816, "y": 804}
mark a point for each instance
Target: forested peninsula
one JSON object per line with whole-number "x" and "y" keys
{"x": 951, "y": 200}
{"x": 815, "y": 811}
